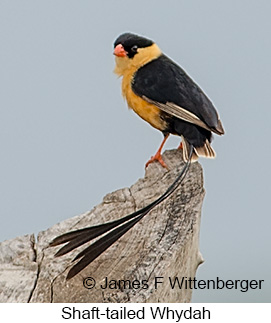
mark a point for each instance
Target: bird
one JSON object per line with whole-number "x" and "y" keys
{"x": 164, "y": 95}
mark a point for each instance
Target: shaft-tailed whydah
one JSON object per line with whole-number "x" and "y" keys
{"x": 162, "y": 94}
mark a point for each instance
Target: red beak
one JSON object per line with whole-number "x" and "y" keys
{"x": 120, "y": 51}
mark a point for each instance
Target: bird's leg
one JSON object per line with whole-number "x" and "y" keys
{"x": 158, "y": 156}
{"x": 180, "y": 146}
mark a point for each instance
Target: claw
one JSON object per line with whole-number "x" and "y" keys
{"x": 158, "y": 156}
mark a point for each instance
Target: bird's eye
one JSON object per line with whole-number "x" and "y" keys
{"x": 134, "y": 48}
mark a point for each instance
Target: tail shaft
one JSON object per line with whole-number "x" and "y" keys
{"x": 110, "y": 231}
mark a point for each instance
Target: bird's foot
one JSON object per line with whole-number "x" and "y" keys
{"x": 156, "y": 157}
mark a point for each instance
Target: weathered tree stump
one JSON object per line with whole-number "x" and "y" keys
{"x": 165, "y": 243}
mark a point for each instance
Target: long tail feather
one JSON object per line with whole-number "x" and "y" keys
{"x": 116, "y": 229}
{"x": 98, "y": 247}
{"x": 79, "y": 237}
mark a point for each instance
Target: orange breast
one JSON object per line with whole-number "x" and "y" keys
{"x": 145, "y": 110}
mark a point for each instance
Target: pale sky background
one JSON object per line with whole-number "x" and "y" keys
{"x": 67, "y": 137}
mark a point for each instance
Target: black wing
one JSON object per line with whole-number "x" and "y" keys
{"x": 165, "y": 84}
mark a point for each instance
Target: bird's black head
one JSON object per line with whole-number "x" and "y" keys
{"x": 127, "y": 44}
